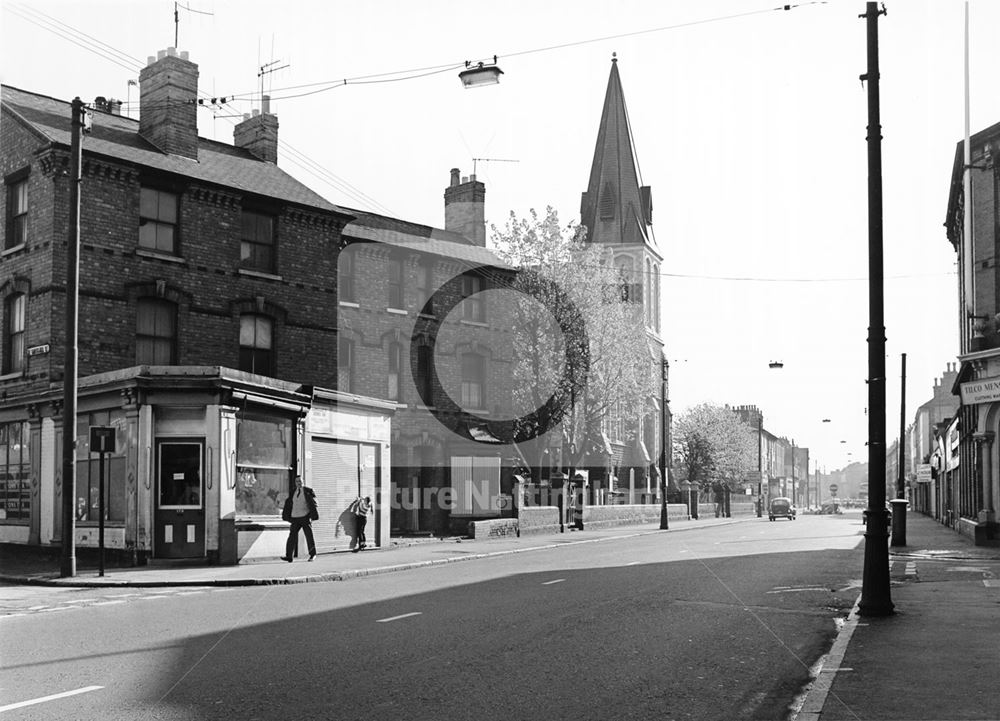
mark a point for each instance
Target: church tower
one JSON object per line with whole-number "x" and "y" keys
{"x": 617, "y": 211}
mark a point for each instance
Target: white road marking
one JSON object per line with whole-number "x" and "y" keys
{"x": 634, "y": 563}
{"x": 43, "y": 699}
{"x": 797, "y": 590}
{"x": 396, "y": 618}
{"x": 107, "y": 603}
{"x": 558, "y": 580}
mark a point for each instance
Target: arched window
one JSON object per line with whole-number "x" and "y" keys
{"x": 395, "y": 365}
{"x": 424, "y": 379}
{"x": 155, "y": 332}
{"x": 345, "y": 276}
{"x": 15, "y": 311}
{"x": 257, "y": 344}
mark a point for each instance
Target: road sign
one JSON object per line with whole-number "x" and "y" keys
{"x": 102, "y": 439}
{"x": 833, "y": 488}
{"x": 924, "y": 473}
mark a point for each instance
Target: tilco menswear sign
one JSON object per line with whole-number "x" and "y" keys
{"x": 985, "y": 390}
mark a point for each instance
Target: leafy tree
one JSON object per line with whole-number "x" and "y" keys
{"x": 576, "y": 338}
{"x": 713, "y": 445}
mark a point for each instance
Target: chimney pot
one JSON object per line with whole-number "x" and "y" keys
{"x": 465, "y": 179}
{"x": 256, "y": 112}
{"x": 172, "y": 52}
{"x": 160, "y": 54}
{"x": 265, "y": 104}
{"x": 150, "y": 59}
{"x": 184, "y": 54}
{"x": 454, "y": 177}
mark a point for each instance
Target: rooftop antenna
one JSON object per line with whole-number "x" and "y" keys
{"x": 267, "y": 69}
{"x": 177, "y": 17}
{"x": 491, "y": 160}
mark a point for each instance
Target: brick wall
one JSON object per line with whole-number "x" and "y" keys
{"x": 203, "y": 279}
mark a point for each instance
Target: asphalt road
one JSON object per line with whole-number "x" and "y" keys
{"x": 720, "y": 623}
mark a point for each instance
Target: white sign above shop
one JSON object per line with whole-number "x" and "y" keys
{"x": 985, "y": 390}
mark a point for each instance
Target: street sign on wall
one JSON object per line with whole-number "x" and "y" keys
{"x": 833, "y": 489}
{"x": 924, "y": 473}
{"x": 985, "y": 390}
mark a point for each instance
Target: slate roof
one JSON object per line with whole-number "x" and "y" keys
{"x": 117, "y": 137}
{"x": 420, "y": 238}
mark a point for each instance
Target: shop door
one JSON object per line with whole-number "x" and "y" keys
{"x": 179, "y": 519}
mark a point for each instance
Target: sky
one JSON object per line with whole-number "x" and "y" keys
{"x": 749, "y": 123}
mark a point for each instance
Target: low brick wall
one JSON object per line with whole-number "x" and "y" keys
{"x": 493, "y": 528}
{"x": 538, "y": 519}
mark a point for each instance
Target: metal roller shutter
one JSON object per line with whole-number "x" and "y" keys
{"x": 335, "y": 480}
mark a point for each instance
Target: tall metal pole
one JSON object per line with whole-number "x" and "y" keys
{"x": 875, "y": 596}
{"x": 68, "y": 560}
{"x": 760, "y": 464}
{"x": 664, "y": 444}
{"x": 899, "y": 503}
{"x": 901, "y": 476}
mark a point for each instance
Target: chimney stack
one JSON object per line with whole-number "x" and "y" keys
{"x": 168, "y": 103}
{"x": 465, "y": 208}
{"x": 258, "y": 133}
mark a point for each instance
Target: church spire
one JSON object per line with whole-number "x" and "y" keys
{"x": 615, "y": 209}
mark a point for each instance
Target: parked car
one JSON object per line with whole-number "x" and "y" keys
{"x": 781, "y": 507}
{"x": 830, "y": 507}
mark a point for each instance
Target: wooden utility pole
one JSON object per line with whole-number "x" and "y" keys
{"x": 68, "y": 560}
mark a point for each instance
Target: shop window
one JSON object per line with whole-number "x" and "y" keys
{"x": 345, "y": 365}
{"x": 158, "y": 220}
{"x": 88, "y": 475}
{"x": 264, "y": 455}
{"x": 257, "y": 242}
{"x": 17, "y": 213}
{"x": 15, "y": 324}
{"x": 257, "y": 344}
{"x": 473, "y": 381}
{"x": 15, "y": 472}
{"x": 155, "y": 332}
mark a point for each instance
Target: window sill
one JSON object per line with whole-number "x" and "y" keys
{"x": 397, "y": 311}
{"x": 11, "y": 376}
{"x": 348, "y": 304}
{"x": 475, "y": 323}
{"x": 11, "y": 251}
{"x": 96, "y": 524}
{"x": 156, "y": 255}
{"x": 14, "y": 522}
{"x": 258, "y": 274}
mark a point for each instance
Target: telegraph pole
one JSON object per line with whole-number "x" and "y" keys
{"x": 68, "y": 559}
{"x": 875, "y": 596}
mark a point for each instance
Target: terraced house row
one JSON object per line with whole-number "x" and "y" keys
{"x": 236, "y": 329}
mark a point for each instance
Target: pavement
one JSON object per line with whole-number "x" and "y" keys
{"x": 403, "y": 554}
{"x": 935, "y": 658}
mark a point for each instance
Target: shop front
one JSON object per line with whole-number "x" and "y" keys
{"x": 202, "y": 461}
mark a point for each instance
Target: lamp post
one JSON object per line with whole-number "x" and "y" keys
{"x": 875, "y": 595}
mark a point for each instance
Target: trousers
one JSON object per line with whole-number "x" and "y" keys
{"x": 291, "y": 545}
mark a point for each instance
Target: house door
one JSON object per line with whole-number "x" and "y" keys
{"x": 179, "y": 522}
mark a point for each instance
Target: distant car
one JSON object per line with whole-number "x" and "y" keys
{"x": 830, "y": 507}
{"x": 781, "y": 508}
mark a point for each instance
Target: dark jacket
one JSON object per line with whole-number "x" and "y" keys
{"x": 286, "y": 512}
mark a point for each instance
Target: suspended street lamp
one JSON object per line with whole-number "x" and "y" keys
{"x": 478, "y": 74}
